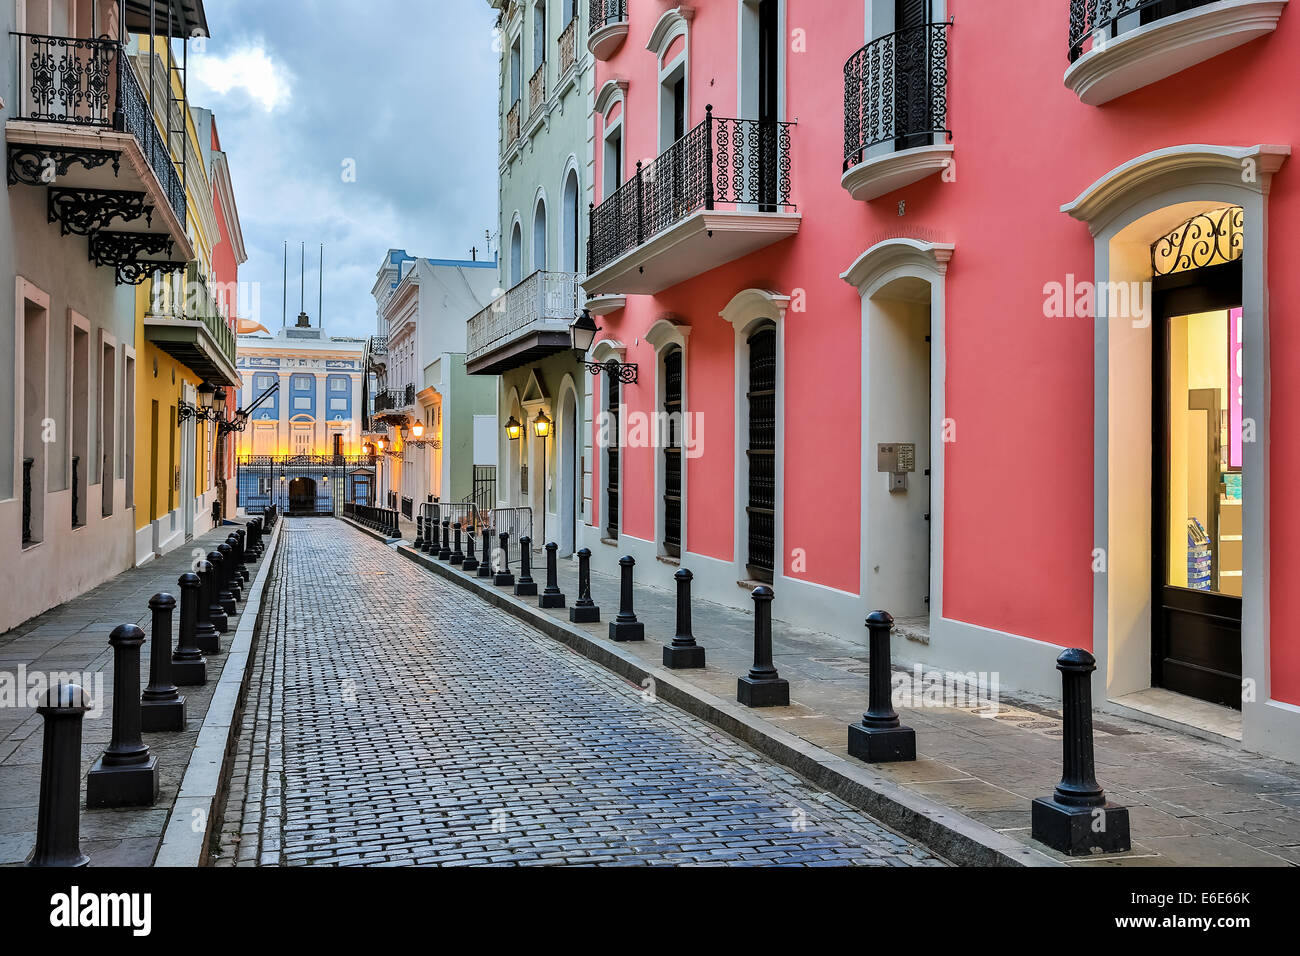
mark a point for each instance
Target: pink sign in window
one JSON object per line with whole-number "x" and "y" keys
{"x": 1234, "y": 388}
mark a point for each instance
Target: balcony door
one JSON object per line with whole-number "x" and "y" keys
{"x": 1197, "y": 511}
{"x": 911, "y": 73}
{"x": 761, "y": 454}
{"x": 769, "y": 100}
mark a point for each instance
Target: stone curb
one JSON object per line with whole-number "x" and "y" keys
{"x": 945, "y": 831}
{"x": 203, "y": 786}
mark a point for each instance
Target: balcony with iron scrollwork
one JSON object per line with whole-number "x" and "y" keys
{"x": 719, "y": 193}
{"x": 607, "y": 27}
{"x": 393, "y": 404}
{"x": 376, "y": 357}
{"x": 896, "y": 111}
{"x": 1118, "y": 46}
{"x": 529, "y": 322}
{"x": 82, "y": 128}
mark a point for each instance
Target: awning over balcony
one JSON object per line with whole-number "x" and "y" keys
{"x": 187, "y": 17}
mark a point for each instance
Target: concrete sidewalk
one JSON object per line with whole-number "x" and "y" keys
{"x": 1192, "y": 802}
{"x": 74, "y": 637}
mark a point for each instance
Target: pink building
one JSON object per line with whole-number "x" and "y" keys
{"x": 970, "y": 323}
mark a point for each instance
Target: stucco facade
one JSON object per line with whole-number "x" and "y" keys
{"x": 907, "y": 283}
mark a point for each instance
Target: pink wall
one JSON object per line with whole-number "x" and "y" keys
{"x": 1018, "y": 526}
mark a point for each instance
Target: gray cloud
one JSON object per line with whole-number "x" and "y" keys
{"x": 407, "y": 89}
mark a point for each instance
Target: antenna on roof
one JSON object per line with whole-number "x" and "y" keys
{"x": 284, "y": 288}
{"x": 320, "y": 290}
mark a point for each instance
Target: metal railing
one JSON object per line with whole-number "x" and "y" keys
{"x": 896, "y": 89}
{"x": 605, "y": 12}
{"x": 734, "y": 162}
{"x": 543, "y": 301}
{"x": 568, "y": 40}
{"x": 391, "y": 399}
{"x": 377, "y": 345}
{"x": 485, "y": 487}
{"x": 537, "y": 90}
{"x": 512, "y": 124}
{"x": 1100, "y": 20}
{"x": 84, "y": 81}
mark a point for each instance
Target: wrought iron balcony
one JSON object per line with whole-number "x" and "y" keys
{"x": 606, "y": 27}
{"x": 529, "y": 322}
{"x": 85, "y": 82}
{"x": 896, "y": 91}
{"x": 188, "y": 326}
{"x": 895, "y": 105}
{"x": 537, "y": 90}
{"x": 1117, "y": 46}
{"x": 736, "y": 165}
{"x": 394, "y": 399}
{"x": 568, "y": 45}
{"x": 1101, "y": 20}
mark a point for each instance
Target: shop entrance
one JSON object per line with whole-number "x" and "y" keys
{"x": 1197, "y": 483}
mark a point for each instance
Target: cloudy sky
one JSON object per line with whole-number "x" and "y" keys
{"x": 402, "y": 91}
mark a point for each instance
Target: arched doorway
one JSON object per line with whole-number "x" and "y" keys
{"x": 302, "y": 496}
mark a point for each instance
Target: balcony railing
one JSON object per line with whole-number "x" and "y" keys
{"x": 543, "y": 299}
{"x": 605, "y": 12}
{"x": 80, "y": 81}
{"x": 896, "y": 89}
{"x": 392, "y": 399}
{"x": 512, "y": 124}
{"x": 1100, "y": 20}
{"x": 537, "y": 90}
{"x": 721, "y": 161}
{"x": 568, "y": 39}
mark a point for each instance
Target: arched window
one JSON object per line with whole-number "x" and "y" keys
{"x": 539, "y": 235}
{"x": 570, "y": 253}
{"x": 516, "y": 255}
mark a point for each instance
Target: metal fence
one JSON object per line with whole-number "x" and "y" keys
{"x": 305, "y": 484}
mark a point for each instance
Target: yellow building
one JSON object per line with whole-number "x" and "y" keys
{"x": 185, "y": 367}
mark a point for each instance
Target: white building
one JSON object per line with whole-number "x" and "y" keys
{"x": 417, "y": 359}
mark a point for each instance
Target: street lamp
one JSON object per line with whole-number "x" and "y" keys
{"x": 582, "y": 332}
{"x": 542, "y": 429}
{"x": 418, "y": 429}
{"x": 513, "y": 428}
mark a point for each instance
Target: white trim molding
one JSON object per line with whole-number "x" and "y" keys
{"x": 1153, "y": 51}
{"x": 878, "y": 175}
{"x": 613, "y": 91}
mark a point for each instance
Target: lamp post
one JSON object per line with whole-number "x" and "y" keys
{"x": 582, "y": 333}
{"x": 542, "y": 429}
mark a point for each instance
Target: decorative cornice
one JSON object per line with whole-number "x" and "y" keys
{"x": 913, "y": 255}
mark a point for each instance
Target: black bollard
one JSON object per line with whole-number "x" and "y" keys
{"x": 457, "y": 556}
{"x": 418, "y": 543}
{"x": 126, "y": 774}
{"x": 1077, "y": 819}
{"x": 226, "y": 592}
{"x": 189, "y": 666}
{"x": 503, "y": 578}
{"x": 552, "y": 596}
{"x": 763, "y": 686}
{"x": 234, "y": 579}
{"x": 470, "y": 564}
{"x": 683, "y": 652}
{"x": 584, "y": 610}
{"x": 241, "y": 553}
{"x": 161, "y": 705}
{"x": 430, "y": 533}
{"x": 255, "y": 537}
{"x": 626, "y": 627}
{"x": 211, "y": 593}
{"x": 881, "y": 737}
{"x": 485, "y": 563}
{"x": 445, "y": 553}
{"x": 58, "y": 819}
{"x": 526, "y": 587}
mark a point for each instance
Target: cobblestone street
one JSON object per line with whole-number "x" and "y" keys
{"x": 395, "y": 719}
